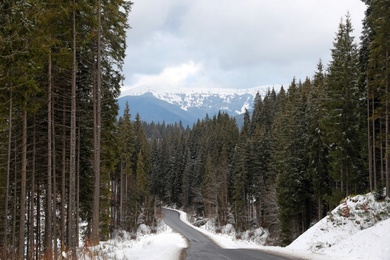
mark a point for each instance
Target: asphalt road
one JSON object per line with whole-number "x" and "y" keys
{"x": 202, "y": 248}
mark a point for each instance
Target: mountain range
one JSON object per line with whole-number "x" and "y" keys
{"x": 188, "y": 105}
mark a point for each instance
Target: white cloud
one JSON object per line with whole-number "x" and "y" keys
{"x": 238, "y": 44}
{"x": 254, "y": 31}
{"x": 187, "y": 74}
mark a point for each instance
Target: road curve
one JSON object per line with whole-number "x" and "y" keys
{"x": 202, "y": 248}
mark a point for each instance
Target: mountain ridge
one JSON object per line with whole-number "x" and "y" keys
{"x": 189, "y": 105}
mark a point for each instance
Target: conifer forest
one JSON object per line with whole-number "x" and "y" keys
{"x": 69, "y": 162}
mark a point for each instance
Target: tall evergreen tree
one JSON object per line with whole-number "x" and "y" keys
{"x": 240, "y": 175}
{"x": 341, "y": 118}
{"x": 317, "y": 149}
{"x": 126, "y": 150}
{"x": 210, "y": 188}
{"x": 292, "y": 184}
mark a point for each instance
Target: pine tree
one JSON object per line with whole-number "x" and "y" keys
{"x": 210, "y": 188}
{"x": 317, "y": 149}
{"x": 72, "y": 225}
{"x": 340, "y": 122}
{"x": 292, "y": 185}
{"x": 97, "y": 131}
{"x": 240, "y": 175}
{"x": 222, "y": 186}
{"x": 142, "y": 178}
{"x": 127, "y": 150}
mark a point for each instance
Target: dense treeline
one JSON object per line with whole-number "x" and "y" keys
{"x": 298, "y": 153}
{"x": 65, "y": 158}
{"x": 60, "y": 75}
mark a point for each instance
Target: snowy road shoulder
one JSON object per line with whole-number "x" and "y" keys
{"x": 360, "y": 232}
{"x": 360, "y": 236}
{"x": 229, "y": 242}
{"x": 166, "y": 245}
{"x": 371, "y": 243}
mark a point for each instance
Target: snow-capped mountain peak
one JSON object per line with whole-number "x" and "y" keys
{"x": 233, "y": 101}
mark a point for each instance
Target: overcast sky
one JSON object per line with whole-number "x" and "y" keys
{"x": 230, "y": 43}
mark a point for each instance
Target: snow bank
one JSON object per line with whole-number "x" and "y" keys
{"x": 230, "y": 242}
{"x": 165, "y": 245}
{"x": 371, "y": 243}
{"x": 356, "y": 229}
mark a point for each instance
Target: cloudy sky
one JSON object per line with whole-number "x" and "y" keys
{"x": 229, "y": 43}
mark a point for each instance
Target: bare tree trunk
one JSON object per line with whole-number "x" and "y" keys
{"x": 387, "y": 150}
{"x": 386, "y": 142}
{"x": 78, "y": 181}
{"x": 97, "y": 136}
{"x": 30, "y": 243}
{"x": 38, "y": 222}
{"x": 14, "y": 242}
{"x": 381, "y": 152}
{"x": 22, "y": 213}
{"x": 8, "y": 170}
{"x": 63, "y": 181}
{"x": 369, "y": 146}
{"x": 374, "y": 170}
{"x": 55, "y": 246}
{"x": 125, "y": 204}
{"x": 114, "y": 205}
{"x": 72, "y": 232}
{"x": 49, "y": 201}
{"x": 387, "y": 82}
{"x": 121, "y": 198}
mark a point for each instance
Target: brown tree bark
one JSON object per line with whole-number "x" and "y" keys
{"x": 8, "y": 170}
{"x": 72, "y": 232}
{"x": 30, "y": 241}
{"x": 369, "y": 146}
{"x": 97, "y": 136}
{"x": 374, "y": 147}
{"x": 63, "y": 181}
{"x": 49, "y": 201}
{"x": 22, "y": 213}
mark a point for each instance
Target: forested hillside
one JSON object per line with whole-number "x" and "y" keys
{"x": 301, "y": 151}
{"x": 66, "y": 162}
{"x": 60, "y": 76}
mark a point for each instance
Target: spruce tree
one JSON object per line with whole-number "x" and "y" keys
{"x": 240, "y": 175}
{"x": 317, "y": 150}
{"x": 209, "y": 188}
{"x": 341, "y": 118}
{"x": 292, "y": 184}
{"x": 126, "y": 153}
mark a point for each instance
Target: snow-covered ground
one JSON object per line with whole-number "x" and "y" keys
{"x": 358, "y": 229}
{"x": 165, "y": 245}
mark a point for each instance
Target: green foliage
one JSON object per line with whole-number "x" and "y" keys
{"x": 209, "y": 188}
{"x": 380, "y": 193}
{"x": 36, "y": 52}
{"x": 297, "y": 155}
{"x": 341, "y": 111}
